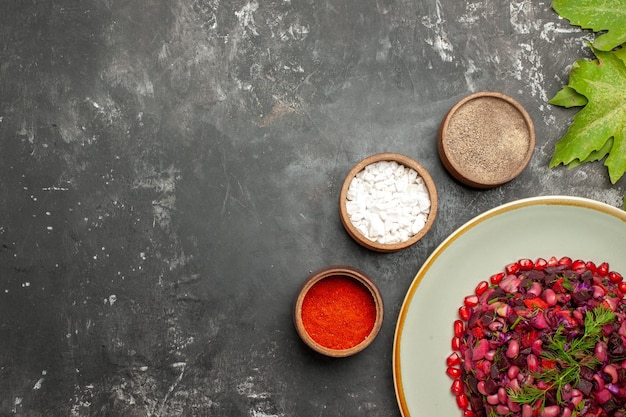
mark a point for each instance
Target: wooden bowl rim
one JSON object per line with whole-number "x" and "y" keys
{"x": 349, "y": 272}
{"x": 455, "y": 170}
{"x": 408, "y": 162}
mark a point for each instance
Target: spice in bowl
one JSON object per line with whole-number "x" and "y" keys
{"x": 486, "y": 140}
{"x": 388, "y": 202}
{"x": 338, "y": 311}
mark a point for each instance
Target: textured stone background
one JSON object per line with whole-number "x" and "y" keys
{"x": 170, "y": 174}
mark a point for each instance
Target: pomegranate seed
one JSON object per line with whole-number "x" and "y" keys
{"x": 496, "y": 278}
{"x": 590, "y": 266}
{"x": 540, "y": 264}
{"x": 464, "y": 312}
{"x": 553, "y": 261}
{"x": 462, "y": 401}
{"x": 578, "y": 264}
{"x": 622, "y": 287}
{"x": 603, "y": 269}
{"x": 565, "y": 261}
{"x": 459, "y": 328}
{"x": 526, "y": 264}
{"x": 457, "y": 387}
{"x": 453, "y": 360}
{"x": 453, "y": 373}
{"x": 512, "y": 268}
{"x": 456, "y": 343}
{"x": 481, "y": 288}
{"x": 469, "y": 413}
{"x": 615, "y": 277}
{"x": 471, "y": 301}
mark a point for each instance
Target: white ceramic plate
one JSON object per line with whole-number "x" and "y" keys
{"x": 529, "y": 228}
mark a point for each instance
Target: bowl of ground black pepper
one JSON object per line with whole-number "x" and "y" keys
{"x": 486, "y": 140}
{"x": 338, "y": 311}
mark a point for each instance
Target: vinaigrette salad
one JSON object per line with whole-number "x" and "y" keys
{"x": 544, "y": 338}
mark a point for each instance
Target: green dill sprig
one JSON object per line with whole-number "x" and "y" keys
{"x": 568, "y": 356}
{"x": 567, "y": 284}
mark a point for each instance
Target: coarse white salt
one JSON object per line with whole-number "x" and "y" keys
{"x": 388, "y": 202}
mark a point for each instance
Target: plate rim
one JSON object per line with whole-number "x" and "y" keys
{"x": 559, "y": 200}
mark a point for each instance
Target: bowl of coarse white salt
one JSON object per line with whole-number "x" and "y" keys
{"x": 388, "y": 202}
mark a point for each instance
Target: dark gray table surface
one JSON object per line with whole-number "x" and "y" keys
{"x": 170, "y": 173}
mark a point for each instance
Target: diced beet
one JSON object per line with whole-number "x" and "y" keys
{"x": 472, "y": 383}
{"x": 518, "y": 301}
{"x": 535, "y": 275}
{"x": 585, "y": 386}
{"x": 473, "y": 320}
{"x": 490, "y": 386}
{"x": 490, "y": 410}
{"x": 525, "y": 283}
{"x": 520, "y": 361}
{"x": 501, "y": 362}
{"x": 496, "y": 294}
{"x": 527, "y": 351}
{"x": 550, "y": 277}
{"x": 586, "y": 277}
{"x": 477, "y": 403}
{"x": 495, "y": 373}
{"x": 487, "y": 318}
{"x": 586, "y": 373}
{"x": 581, "y": 296}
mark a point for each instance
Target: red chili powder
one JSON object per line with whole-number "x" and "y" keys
{"x": 338, "y": 312}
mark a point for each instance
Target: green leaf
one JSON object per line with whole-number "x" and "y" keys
{"x": 621, "y": 53}
{"x": 603, "y": 82}
{"x": 568, "y": 97}
{"x": 594, "y": 156}
{"x": 608, "y": 16}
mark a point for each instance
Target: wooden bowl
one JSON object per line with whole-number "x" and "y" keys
{"x": 360, "y": 237}
{"x": 486, "y": 140}
{"x": 346, "y": 272}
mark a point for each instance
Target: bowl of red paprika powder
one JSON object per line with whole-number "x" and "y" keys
{"x": 338, "y": 311}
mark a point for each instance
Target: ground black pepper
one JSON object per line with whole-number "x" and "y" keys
{"x": 487, "y": 140}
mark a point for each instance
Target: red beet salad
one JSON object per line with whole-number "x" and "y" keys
{"x": 543, "y": 338}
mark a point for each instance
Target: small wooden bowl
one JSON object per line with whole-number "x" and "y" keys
{"x": 486, "y": 140}
{"x": 407, "y": 162}
{"x": 347, "y": 272}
